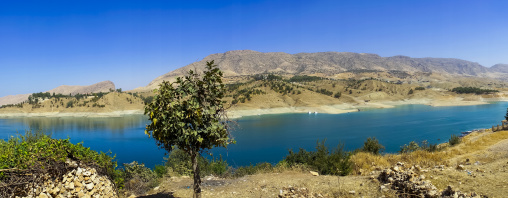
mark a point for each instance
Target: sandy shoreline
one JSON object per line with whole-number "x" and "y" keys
{"x": 75, "y": 114}
{"x": 241, "y": 112}
{"x": 347, "y": 108}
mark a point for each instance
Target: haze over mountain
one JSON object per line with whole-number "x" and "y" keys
{"x": 103, "y": 86}
{"x": 248, "y": 62}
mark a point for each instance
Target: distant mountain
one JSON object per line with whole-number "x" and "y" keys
{"x": 248, "y": 62}
{"x": 103, "y": 86}
{"x": 501, "y": 68}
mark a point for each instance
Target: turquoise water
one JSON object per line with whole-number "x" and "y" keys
{"x": 267, "y": 138}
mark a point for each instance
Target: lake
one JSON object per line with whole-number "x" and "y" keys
{"x": 267, "y": 138}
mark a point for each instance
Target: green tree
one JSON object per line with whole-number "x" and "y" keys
{"x": 372, "y": 145}
{"x": 337, "y": 95}
{"x": 506, "y": 116}
{"x": 189, "y": 114}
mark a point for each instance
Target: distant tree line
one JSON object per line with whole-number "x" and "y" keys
{"x": 475, "y": 90}
{"x": 304, "y": 78}
{"x": 268, "y": 77}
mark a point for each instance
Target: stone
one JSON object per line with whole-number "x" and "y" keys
{"x": 352, "y": 192}
{"x": 87, "y": 173}
{"x": 89, "y": 186}
{"x": 77, "y": 183}
{"x": 43, "y": 195}
{"x": 70, "y": 186}
{"x": 460, "y": 167}
{"x": 313, "y": 173}
{"x": 395, "y": 168}
{"x": 55, "y": 191}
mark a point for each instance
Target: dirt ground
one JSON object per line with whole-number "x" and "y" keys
{"x": 485, "y": 172}
{"x": 270, "y": 185}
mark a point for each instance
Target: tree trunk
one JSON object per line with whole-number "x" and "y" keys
{"x": 197, "y": 178}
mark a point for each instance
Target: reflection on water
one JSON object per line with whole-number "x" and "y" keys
{"x": 56, "y": 124}
{"x": 124, "y": 136}
{"x": 268, "y": 137}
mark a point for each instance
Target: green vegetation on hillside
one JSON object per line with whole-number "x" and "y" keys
{"x": 304, "y": 78}
{"x": 475, "y": 90}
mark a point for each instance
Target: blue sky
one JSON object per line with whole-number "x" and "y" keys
{"x": 44, "y": 44}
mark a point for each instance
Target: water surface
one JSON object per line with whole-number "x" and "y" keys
{"x": 268, "y": 137}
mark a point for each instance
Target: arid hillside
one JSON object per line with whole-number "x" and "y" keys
{"x": 88, "y": 103}
{"x": 333, "y": 64}
{"x": 104, "y": 86}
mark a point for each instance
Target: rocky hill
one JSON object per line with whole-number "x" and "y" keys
{"x": 248, "y": 62}
{"x": 103, "y": 86}
{"x": 501, "y": 68}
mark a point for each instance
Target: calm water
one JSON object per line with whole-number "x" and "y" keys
{"x": 268, "y": 137}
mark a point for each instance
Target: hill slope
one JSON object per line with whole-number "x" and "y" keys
{"x": 103, "y": 86}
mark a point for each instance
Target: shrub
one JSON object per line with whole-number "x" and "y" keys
{"x": 409, "y": 148}
{"x": 179, "y": 162}
{"x": 160, "y": 170}
{"x": 251, "y": 169}
{"x": 217, "y": 167}
{"x": 337, "y": 162}
{"x": 454, "y": 140}
{"x": 372, "y": 145}
{"x": 420, "y": 88}
{"x": 426, "y": 146}
{"x": 70, "y": 104}
{"x": 138, "y": 178}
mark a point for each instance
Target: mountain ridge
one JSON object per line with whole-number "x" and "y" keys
{"x": 249, "y": 62}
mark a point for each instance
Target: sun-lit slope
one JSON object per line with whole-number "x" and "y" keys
{"x": 333, "y": 64}
{"x": 104, "y": 86}
{"x": 109, "y": 102}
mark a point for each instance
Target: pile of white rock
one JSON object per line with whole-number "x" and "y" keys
{"x": 80, "y": 182}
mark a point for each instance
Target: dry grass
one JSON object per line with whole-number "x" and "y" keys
{"x": 472, "y": 144}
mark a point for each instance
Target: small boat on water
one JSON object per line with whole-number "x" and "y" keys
{"x": 310, "y": 112}
{"x": 315, "y": 112}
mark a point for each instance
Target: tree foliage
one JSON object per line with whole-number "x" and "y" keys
{"x": 189, "y": 114}
{"x": 372, "y": 145}
{"x": 475, "y": 90}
